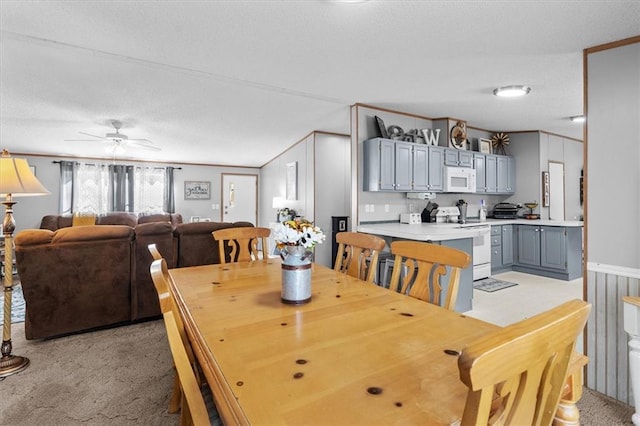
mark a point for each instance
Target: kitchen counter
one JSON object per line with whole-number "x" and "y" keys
{"x": 565, "y": 223}
{"x": 424, "y": 231}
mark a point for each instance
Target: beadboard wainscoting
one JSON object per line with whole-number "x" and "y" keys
{"x": 607, "y": 342}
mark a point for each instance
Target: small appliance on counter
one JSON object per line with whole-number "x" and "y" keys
{"x": 410, "y": 218}
{"x": 506, "y": 211}
{"x": 447, "y": 215}
{"x": 429, "y": 212}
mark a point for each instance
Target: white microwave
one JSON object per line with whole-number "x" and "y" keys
{"x": 459, "y": 179}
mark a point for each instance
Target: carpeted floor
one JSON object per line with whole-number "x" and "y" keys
{"x": 124, "y": 376}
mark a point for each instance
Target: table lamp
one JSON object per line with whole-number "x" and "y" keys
{"x": 16, "y": 180}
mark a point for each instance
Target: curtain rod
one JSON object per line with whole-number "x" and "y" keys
{"x": 159, "y": 167}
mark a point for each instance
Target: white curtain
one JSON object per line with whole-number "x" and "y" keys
{"x": 149, "y": 189}
{"x": 91, "y": 194}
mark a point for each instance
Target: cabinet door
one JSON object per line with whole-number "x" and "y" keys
{"x": 529, "y": 245}
{"x": 491, "y": 174}
{"x": 465, "y": 158}
{"x": 451, "y": 157}
{"x": 403, "y": 166}
{"x": 436, "y": 168}
{"x": 503, "y": 177}
{"x": 420, "y": 168}
{"x": 553, "y": 247}
{"x": 479, "y": 166}
{"x": 387, "y": 166}
{"x": 507, "y": 244}
{"x": 511, "y": 175}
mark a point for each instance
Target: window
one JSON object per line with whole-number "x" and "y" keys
{"x": 99, "y": 188}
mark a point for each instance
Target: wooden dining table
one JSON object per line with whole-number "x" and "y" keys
{"x": 355, "y": 354}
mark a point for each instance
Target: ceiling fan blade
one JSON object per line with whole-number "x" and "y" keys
{"x": 95, "y": 136}
{"x": 134, "y": 143}
{"x": 81, "y": 140}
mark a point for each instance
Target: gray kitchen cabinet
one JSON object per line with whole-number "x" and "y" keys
{"x": 436, "y": 168}
{"x": 402, "y": 166}
{"x": 551, "y": 251}
{"x": 505, "y": 174}
{"x": 501, "y": 248}
{"x": 486, "y": 173}
{"x": 458, "y": 158}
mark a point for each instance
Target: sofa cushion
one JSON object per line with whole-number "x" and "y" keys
{"x": 173, "y": 218}
{"x": 92, "y": 232}
{"x": 33, "y": 237}
{"x": 120, "y": 218}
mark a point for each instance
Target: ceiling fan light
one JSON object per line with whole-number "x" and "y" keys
{"x": 578, "y": 118}
{"x": 513, "y": 91}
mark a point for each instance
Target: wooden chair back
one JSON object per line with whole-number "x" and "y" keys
{"x": 162, "y": 282}
{"x": 241, "y": 244}
{"x": 357, "y": 254}
{"x": 426, "y": 274}
{"x": 155, "y": 253}
{"x": 517, "y": 374}
{"x": 194, "y": 410}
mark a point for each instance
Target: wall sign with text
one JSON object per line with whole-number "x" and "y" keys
{"x": 197, "y": 190}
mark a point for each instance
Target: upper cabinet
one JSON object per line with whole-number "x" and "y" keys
{"x": 495, "y": 174}
{"x": 458, "y": 158}
{"x": 402, "y": 166}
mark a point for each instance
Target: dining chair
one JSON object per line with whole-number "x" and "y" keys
{"x": 357, "y": 254}
{"x": 241, "y": 244}
{"x": 155, "y": 253}
{"x": 516, "y": 375}
{"x": 161, "y": 279}
{"x": 194, "y": 410}
{"x": 427, "y": 269}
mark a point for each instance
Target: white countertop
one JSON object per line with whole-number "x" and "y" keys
{"x": 565, "y": 223}
{"x": 451, "y": 231}
{"x": 425, "y": 231}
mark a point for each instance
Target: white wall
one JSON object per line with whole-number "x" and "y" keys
{"x": 323, "y": 184}
{"x": 30, "y": 210}
{"x": 613, "y": 156}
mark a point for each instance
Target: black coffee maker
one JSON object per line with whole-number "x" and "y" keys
{"x": 429, "y": 212}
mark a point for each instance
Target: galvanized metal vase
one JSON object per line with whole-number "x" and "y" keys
{"x": 296, "y": 275}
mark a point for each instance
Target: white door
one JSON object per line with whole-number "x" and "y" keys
{"x": 240, "y": 198}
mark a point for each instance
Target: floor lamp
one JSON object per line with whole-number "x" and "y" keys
{"x": 16, "y": 180}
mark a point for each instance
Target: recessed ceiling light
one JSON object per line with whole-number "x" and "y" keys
{"x": 511, "y": 91}
{"x": 578, "y": 118}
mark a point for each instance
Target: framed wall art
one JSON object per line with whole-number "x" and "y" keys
{"x": 484, "y": 145}
{"x": 197, "y": 190}
{"x": 292, "y": 180}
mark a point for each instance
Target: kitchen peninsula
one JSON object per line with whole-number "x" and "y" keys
{"x": 458, "y": 236}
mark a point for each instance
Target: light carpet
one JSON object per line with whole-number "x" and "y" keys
{"x": 491, "y": 284}
{"x": 18, "y": 305}
{"x": 124, "y": 376}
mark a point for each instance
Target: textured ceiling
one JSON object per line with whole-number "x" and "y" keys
{"x": 238, "y": 82}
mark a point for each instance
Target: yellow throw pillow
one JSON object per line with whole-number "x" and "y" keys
{"x": 83, "y": 219}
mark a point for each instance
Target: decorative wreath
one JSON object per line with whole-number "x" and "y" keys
{"x": 499, "y": 141}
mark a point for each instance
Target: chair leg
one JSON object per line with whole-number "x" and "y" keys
{"x": 176, "y": 396}
{"x": 185, "y": 414}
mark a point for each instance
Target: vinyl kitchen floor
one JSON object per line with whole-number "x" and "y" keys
{"x": 532, "y": 295}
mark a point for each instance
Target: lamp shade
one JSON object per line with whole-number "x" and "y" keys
{"x": 16, "y": 178}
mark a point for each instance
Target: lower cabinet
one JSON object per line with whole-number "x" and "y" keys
{"x": 552, "y": 251}
{"x": 501, "y": 248}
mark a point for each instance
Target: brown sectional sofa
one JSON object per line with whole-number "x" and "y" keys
{"x": 79, "y": 278}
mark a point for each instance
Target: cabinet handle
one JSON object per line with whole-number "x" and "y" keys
{"x": 536, "y": 230}
{"x": 542, "y": 230}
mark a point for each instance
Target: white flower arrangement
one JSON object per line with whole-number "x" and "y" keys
{"x": 299, "y": 232}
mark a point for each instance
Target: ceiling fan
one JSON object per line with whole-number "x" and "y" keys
{"x": 119, "y": 141}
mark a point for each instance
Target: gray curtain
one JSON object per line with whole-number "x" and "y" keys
{"x": 169, "y": 196}
{"x": 67, "y": 172}
{"x": 121, "y": 188}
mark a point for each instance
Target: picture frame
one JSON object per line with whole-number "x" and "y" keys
{"x": 33, "y": 169}
{"x": 197, "y": 190}
{"x": 382, "y": 129}
{"x": 292, "y": 181}
{"x": 484, "y": 145}
{"x": 545, "y": 189}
